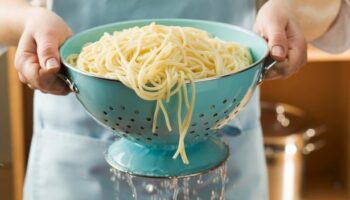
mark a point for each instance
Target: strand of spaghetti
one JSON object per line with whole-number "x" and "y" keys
{"x": 179, "y": 107}
{"x": 183, "y": 123}
{"x": 129, "y": 68}
{"x": 143, "y": 68}
{"x": 183, "y": 131}
{"x": 186, "y": 96}
{"x": 155, "y": 117}
{"x": 187, "y": 122}
{"x": 169, "y": 85}
{"x": 167, "y": 121}
{"x": 160, "y": 102}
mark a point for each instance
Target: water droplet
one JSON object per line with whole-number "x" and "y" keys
{"x": 149, "y": 188}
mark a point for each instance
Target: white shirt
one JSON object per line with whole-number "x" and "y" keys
{"x": 337, "y": 38}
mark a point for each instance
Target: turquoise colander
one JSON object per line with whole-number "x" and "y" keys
{"x": 118, "y": 108}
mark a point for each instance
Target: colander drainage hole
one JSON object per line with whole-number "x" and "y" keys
{"x": 113, "y": 128}
{"x": 207, "y": 129}
{"x": 194, "y": 124}
{"x": 142, "y": 127}
{"x": 215, "y": 114}
{"x": 226, "y": 111}
{"x": 137, "y": 112}
{"x": 120, "y": 118}
{"x": 206, "y": 123}
{"x": 106, "y": 120}
{"x": 122, "y": 107}
{"x": 149, "y": 139}
{"x": 155, "y": 134}
{"x": 192, "y": 132}
{"x": 148, "y": 119}
{"x": 201, "y": 115}
{"x": 234, "y": 100}
{"x": 111, "y": 108}
{"x": 212, "y": 106}
{"x": 197, "y": 136}
{"x": 124, "y": 135}
{"x": 224, "y": 101}
{"x": 132, "y": 120}
{"x": 117, "y": 124}
{"x": 128, "y": 126}
{"x": 105, "y": 113}
{"x": 207, "y": 134}
{"x": 217, "y": 121}
{"x": 126, "y": 131}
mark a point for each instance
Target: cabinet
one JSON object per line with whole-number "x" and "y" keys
{"x": 20, "y": 113}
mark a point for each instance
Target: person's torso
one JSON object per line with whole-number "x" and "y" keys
{"x": 53, "y": 160}
{"x": 66, "y": 113}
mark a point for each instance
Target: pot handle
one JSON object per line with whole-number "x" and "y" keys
{"x": 62, "y": 75}
{"x": 268, "y": 63}
{"x": 311, "y": 147}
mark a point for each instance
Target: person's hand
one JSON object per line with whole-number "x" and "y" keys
{"x": 275, "y": 22}
{"x": 37, "y": 58}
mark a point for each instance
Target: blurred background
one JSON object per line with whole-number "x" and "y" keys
{"x": 318, "y": 106}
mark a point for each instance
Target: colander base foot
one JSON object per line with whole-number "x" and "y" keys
{"x": 136, "y": 159}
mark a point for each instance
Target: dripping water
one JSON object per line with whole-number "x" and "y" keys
{"x": 198, "y": 187}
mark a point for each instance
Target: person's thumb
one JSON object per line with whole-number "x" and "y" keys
{"x": 277, "y": 39}
{"x": 47, "y": 50}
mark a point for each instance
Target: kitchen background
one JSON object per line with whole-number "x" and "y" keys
{"x": 6, "y": 183}
{"x": 321, "y": 89}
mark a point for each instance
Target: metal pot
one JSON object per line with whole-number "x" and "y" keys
{"x": 287, "y": 138}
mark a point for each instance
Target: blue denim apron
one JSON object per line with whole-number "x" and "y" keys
{"x": 66, "y": 159}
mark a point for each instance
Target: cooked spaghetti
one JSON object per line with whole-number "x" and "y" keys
{"x": 156, "y": 61}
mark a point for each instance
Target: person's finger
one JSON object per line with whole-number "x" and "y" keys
{"x": 257, "y": 28}
{"x": 47, "y": 51}
{"x": 298, "y": 44}
{"x": 296, "y": 55}
{"x": 50, "y": 62}
{"x": 25, "y": 49}
{"x": 31, "y": 87}
{"x": 44, "y": 81}
{"x": 26, "y": 61}
{"x": 276, "y": 35}
{"x": 277, "y": 71}
{"x": 22, "y": 78}
{"x": 53, "y": 84}
{"x": 296, "y": 59}
{"x": 30, "y": 72}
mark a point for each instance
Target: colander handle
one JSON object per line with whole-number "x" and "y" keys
{"x": 269, "y": 62}
{"x": 62, "y": 75}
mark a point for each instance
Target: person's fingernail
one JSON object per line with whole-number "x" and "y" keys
{"x": 51, "y": 63}
{"x": 277, "y": 51}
